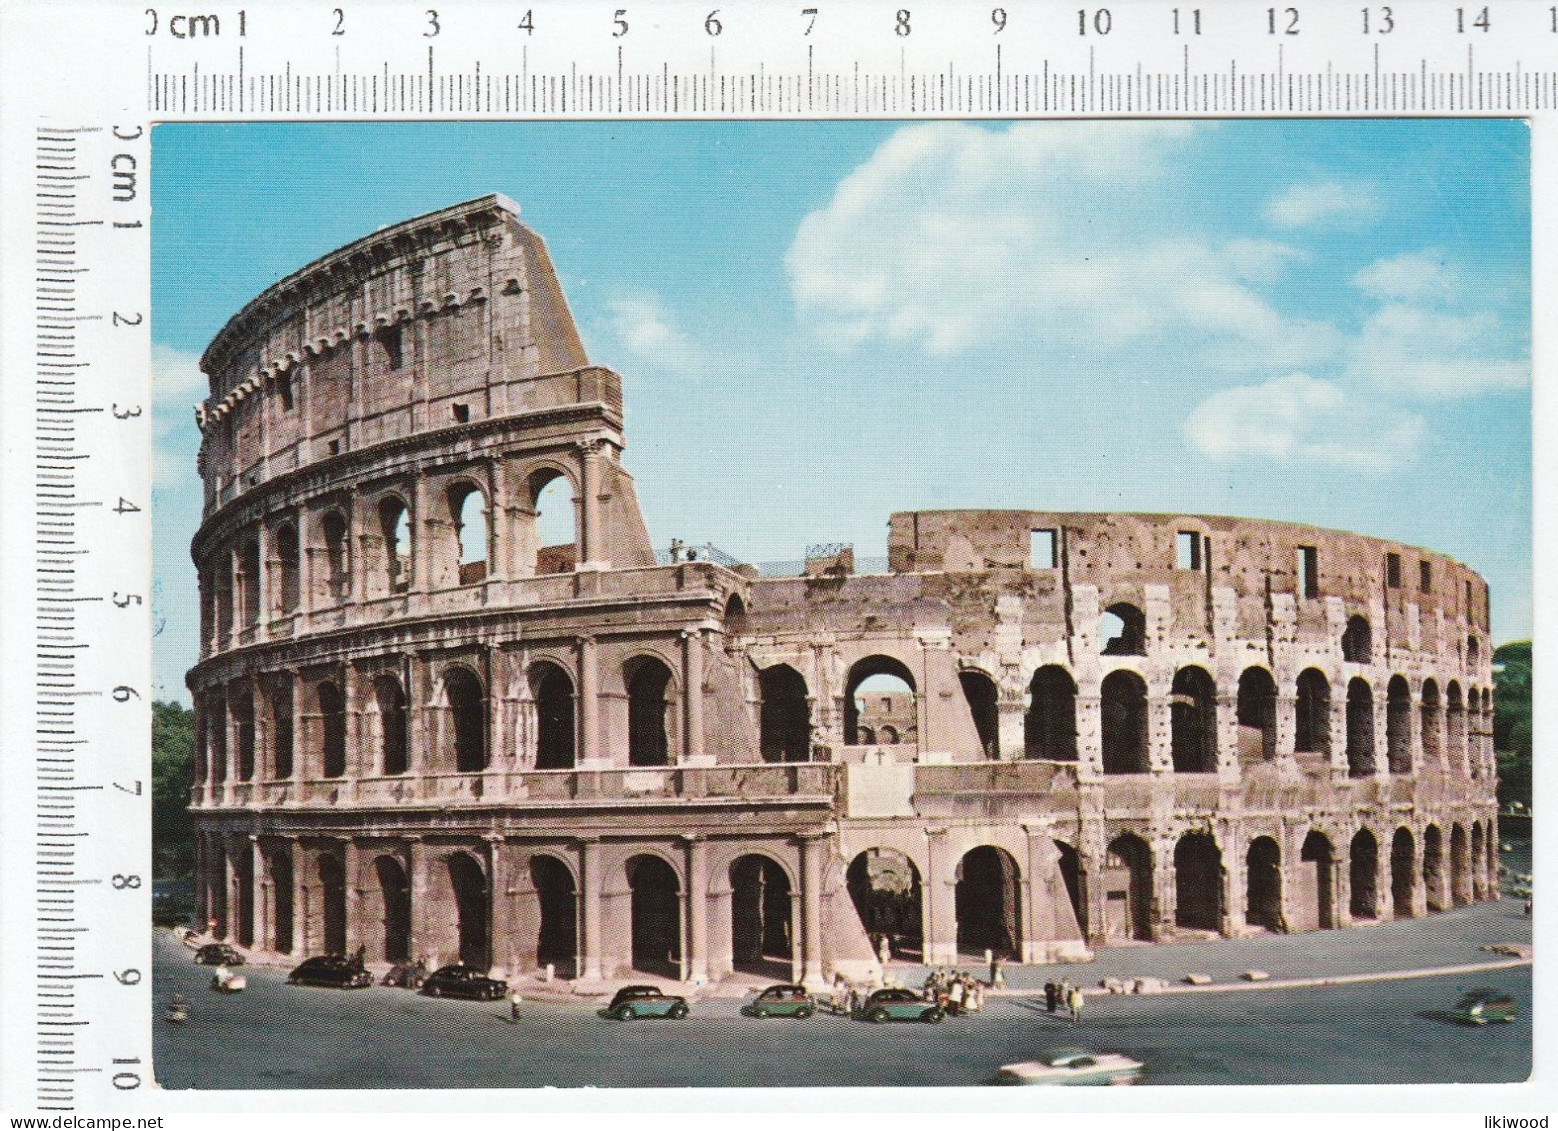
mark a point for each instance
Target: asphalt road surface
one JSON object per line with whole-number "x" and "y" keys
{"x": 279, "y": 1036}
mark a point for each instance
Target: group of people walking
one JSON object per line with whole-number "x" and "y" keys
{"x": 1063, "y": 995}
{"x": 956, "y": 991}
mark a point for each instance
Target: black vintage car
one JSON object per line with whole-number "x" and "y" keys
{"x": 330, "y": 970}
{"x": 218, "y": 954}
{"x": 646, "y": 1001}
{"x": 464, "y": 981}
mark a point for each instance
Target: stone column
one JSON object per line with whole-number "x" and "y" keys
{"x": 267, "y": 600}
{"x": 692, "y": 690}
{"x": 500, "y": 917}
{"x": 351, "y": 867}
{"x": 589, "y": 517}
{"x": 1165, "y": 891}
{"x": 941, "y": 928}
{"x": 423, "y": 532}
{"x": 1339, "y": 739}
{"x": 589, "y": 895}
{"x": 299, "y": 900}
{"x": 420, "y": 925}
{"x": 1090, "y": 729}
{"x": 1286, "y": 707}
{"x": 813, "y": 850}
{"x": 695, "y": 964}
{"x": 589, "y": 704}
{"x": 1227, "y": 732}
{"x": 356, "y": 576}
{"x": 1160, "y": 733}
{"x": 230, "y": 850}
{"x": 259, "y": 883}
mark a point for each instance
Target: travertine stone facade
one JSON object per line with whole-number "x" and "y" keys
{"x": 423, "y": 733}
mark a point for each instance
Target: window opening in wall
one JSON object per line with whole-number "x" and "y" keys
{"x": 241, "y": 706}
{"x": 1393, "y": 571}
{"x": 1123, "y": 706}
{"x": 393, "y": 745}
{"x": 1193, "y": 721}
{"x": 1357, "y": 641}
{"x": 333, "y": 527}
{"x": 287, "y": 558}
{"x": 1041, "y": 549}
{"x": 1425, "y": 577}
{"x": 884, "y": 886}
{"x": 1257, "y": 712}
{"x": 281, "y": 733}
{"x": 249, "y": 573}
{"x": 462, "y": 413}
{"x": 1398, "y": 726}
{"x": 1122, "y": 631}
{"x": 1468, "y": 600}
{"x": 984, "y": 705}
{"x": 395, "y": 523}
{"x": 389, "y": 338}
{"x": 1050, "y": 726}
{"x": 467, "y": 704}
{"x": 785, "y": 715}
{"x": 468, "y": 508}
{"x": 335, "y": 447}
{"x": 1187, "y": 550}
{"x": 1360, "y": 729}
{"x": 649, "y": 708}
{"x": 556, "y": 523}
{"x": 1309, "y": 572}
{"x": 332, "y": 731}
{"x": 284, "y": 390}
{"x": 1312, "y": 732}
{"x": 552, "y": 691}
{"x": 880, "y": 696}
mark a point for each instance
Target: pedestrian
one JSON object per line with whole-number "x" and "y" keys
{"x": 997, "y": 973}
{"x": 1051, "y": 993}
{"x": 854, "y": 1000}
{"x": 884, "y": 950}
{"x": 955, "y": 997}
{"x": 1074, "y": 1003}
{"x": 515, "y": 1001}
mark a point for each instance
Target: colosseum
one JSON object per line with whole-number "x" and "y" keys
{"x": 423, "y": 732}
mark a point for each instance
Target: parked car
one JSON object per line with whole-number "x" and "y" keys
{"x": 783, "y": 1001}
{"x": 1480, "y": 1006}
{"x": 646, "y": 1001}
{"x": 218, "y": 954}
{"x": 464, "y": 981}
{"x": 330, "y": 970}
{"x": 1073, "y": 1066}
{"x": 899, "y": 1005}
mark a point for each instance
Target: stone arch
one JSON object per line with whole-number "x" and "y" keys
{"x": 1198, "y": 871}
{"x": 1477, "y": 892}
{"x": 987, "y": 902}
{"x": 762, "y": 932}
{"x": 1398, "y": 726}
{"x": 1473, "y": 652}
{"x": 1257, "y": 715}
{"x": 784, "y": 715}
{"x": 218, "y": 866}
{"x": 1123, "y": 714}
{"x": 557, "y": 937}
{"x": 253, "y": 608}
{"x": 240, "y": 708}
{"x": 1360, "y": 729}
{"x": 1455, "y": 725}
{"x": 1357, "y": 641}
{"x": 1434, "y": 887}
{"x": 331, "y": 873}
{"x": 1193, "y": 707}
{"x": 395, "y": 901}
{"x": 243, "y": 880}
{"x": 281, "y": 733}
{"x": 473, "y": 908}
{"x": 553, "y": 522}
{"x": 389, "y": 698}
{"x": 884, "y": 885}
{"x": 468, "y": 515}
{"x": 984, "y": 704}
{"x": 332, "y": 730}
{"x": 1050, "y": 724}
{"x": 862, "y": 670}
{"x": 465, "y": 700}
{"x": 1127, "y": 880}
{"x": 288, "y": 566}
{"x": 1460, "y": 870}
{"x": 1263, "y": 885}
{"x": 395, "y": 527}
{"x": 338, "y": 562}
{"x": 736, "y": 612}
{"x": 1070, "y": 864}
{"x": 551, "y": 689}
{"x": 656, "y": 915}
{"x": 889, "y": 735}
{"x": 1432, "y": 716}
{"x": 1363, "y": 875}
{"x": 1403, "y": 874}
{"x": 1312, "y": 729}
{"x": 1122, "y": 631}
{"x": 1320, "y": 877}
{"x": 650, "y": 695}
{"x": 279, "y": 864}
{"x": 867, "y": 736}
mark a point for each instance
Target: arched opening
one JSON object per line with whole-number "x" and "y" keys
{"x": 287, "y": 562}
{"x": 1050, "y": 725}
{"x": 467, "y": 704}
{"x": 249, "y": 584}
{"x": 649, "y": 693}
{"x": 657, "y": 916}
{"x": 395, "y": 527}
{"x": 216, "y": 735}
{"x": 880, "y": 691}
{"x": 243, "y": 876}
{"x": 889, "y": 735}
{"x": 1319, "y": 877}
{"x": 1071, "y": 876}
{"x": 1363, "y": 876}
{"x": 218, "y": 890}
{"x": 558, "y": 941}
{"x": 1312, "y": 732}
{"x": 1128, "y": 889}
{"x": 280, "y": 864}
{"x": 468, "y": 510}
{"x": 472, "y": 904}
{"x": 332, "y": 903}
{"x": 1198, "y": 874}
{"x": 984, "y": 705}
{"x": 1455, "y": 719}
{"x": 1432, "y": 725}
{"x": 1360, "y": 729}
{"x": 1263, "y": 885}
{"x": 1123, "y": 710}
{"x": 867, "y": 736}
{"x": 395, "y": 899}
{"x": 885, "y": 887}
{"x": 1357, "y": 641}
{"x": 1398, "y": 726}
{"x": 1403, "y": 873}
{"x": 240, "y": 706}
{"x": 1473, "y": 653}
{"x": 1257, "y": 713}
{"x": 281, "y": 733}
{"x": 394, "y": 749}
{"x": 337, "y": 553}
{"x": 1122, "y": 631}
{"x": 1460, "y": 872}
{"x": 552, "y": 691}
{"x": 1193, "y": 708}
{"x": 556, "y": 522}
{"x": 785, "y": 715}
{"x": 736, "y": 613}
{"x": 224, "y": 600}
{"x": 332, "y": 731}
{"x": 1434, "y": 890}
{"x": 761, "y": 937}
{"x": 987, "y": 905}
{"x": 1476, "y": 861}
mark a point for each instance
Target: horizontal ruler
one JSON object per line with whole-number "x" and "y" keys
{"x": 881, "y": 59}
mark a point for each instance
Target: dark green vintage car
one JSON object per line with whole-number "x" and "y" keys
{"x": 1479, "y": 1007}
{"x": 633, "y": 1002}
{"x": 783, "y": 1001}
{"x": 899, "y": 1005}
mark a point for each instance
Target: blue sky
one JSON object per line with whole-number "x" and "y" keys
{"x": 818, "y": 324}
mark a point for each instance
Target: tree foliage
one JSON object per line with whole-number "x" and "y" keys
{"x": 1512, "y": 721}
{"x": 172, "y": 775}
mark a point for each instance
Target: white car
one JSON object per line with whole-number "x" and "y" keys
{"x": 1072, "y": 1066}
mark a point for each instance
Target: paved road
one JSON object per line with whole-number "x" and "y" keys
{"x": 279, "y": 1036}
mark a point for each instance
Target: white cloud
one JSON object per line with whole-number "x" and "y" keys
{"x": 1327, "y": 203}
{"x": 952, "y": 234}
{"x": 1415, "y": 276}
{"x": 177, "y": 385}
{"x": 642, "y": 326}
{"x": 1433, "y": 354}
{"x": 1302, "y": 419}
